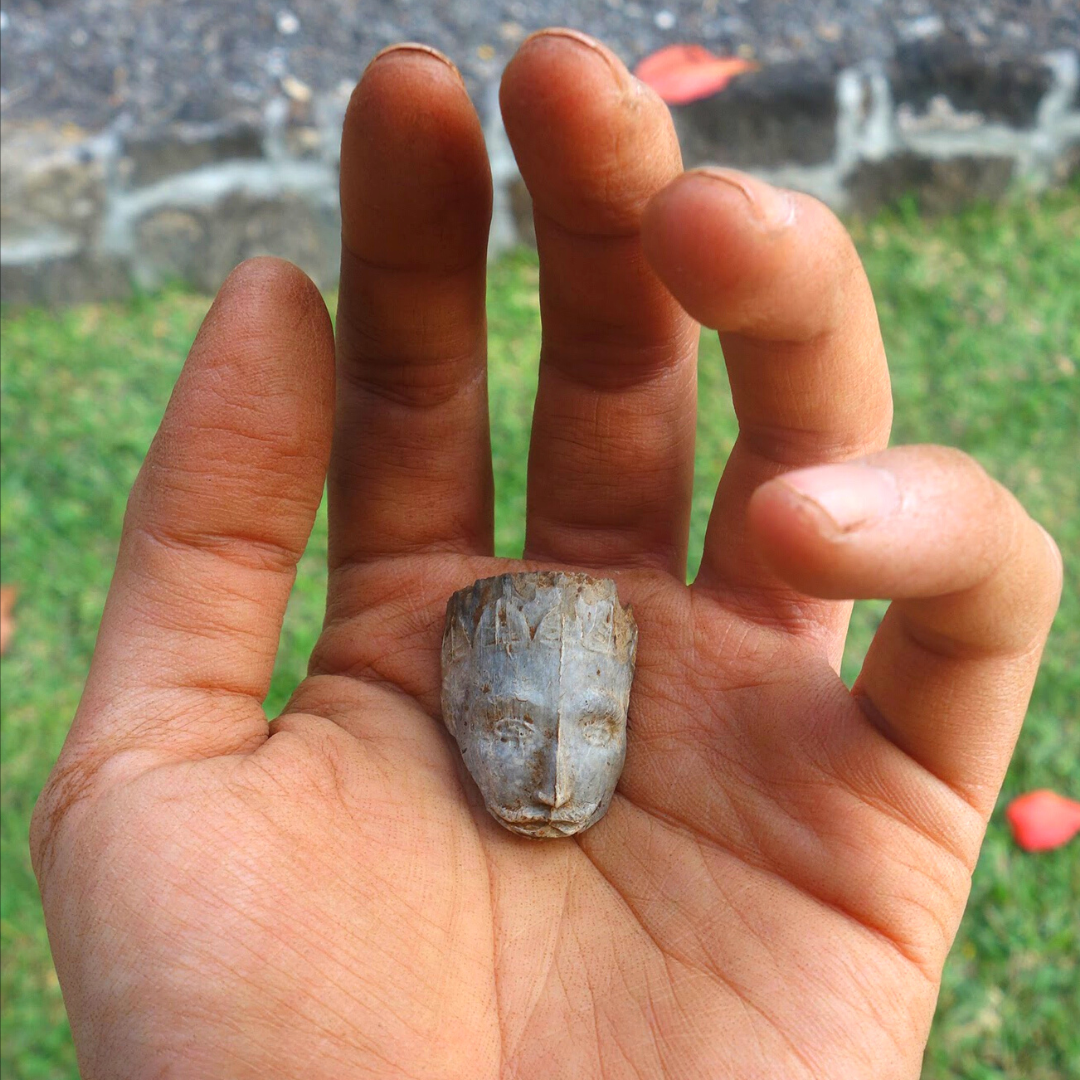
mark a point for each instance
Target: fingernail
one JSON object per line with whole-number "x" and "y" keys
{"x": 416, "y": 47}
{"x": 773, "y": 207}
{"x": 852, "y": 496}
{"x": 577, "y": 37}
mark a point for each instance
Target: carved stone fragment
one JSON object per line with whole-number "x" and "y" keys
{"x": 537, "y": 670}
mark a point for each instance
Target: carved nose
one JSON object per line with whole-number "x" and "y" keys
{"x": 553, "y": 795}
{"x": 557, "y": 788}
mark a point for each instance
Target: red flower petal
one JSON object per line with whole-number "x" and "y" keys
{"x": 1043, "y": 819}
{"x": 684, "y": 73}
{"x": 7, "y": 623}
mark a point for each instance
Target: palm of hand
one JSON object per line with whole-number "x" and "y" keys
{"x": 748, "y": 907}
{"x": 777, "y": 882}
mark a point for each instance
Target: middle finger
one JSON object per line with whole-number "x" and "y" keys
{"x": 611, "y": 460}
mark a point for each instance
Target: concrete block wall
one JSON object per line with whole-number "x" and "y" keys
{"x": 94, "y": 213}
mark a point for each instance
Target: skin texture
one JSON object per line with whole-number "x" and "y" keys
{"x": 779, "y": 877}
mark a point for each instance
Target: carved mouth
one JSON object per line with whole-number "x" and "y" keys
{"x": 528, "y": 823}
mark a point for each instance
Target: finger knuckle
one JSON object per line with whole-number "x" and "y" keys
{"x": 71, "y": 783}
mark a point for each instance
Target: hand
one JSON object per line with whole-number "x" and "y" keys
{"x": 779, "y": 878}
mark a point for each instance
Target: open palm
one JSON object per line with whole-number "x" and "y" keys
{"x": 778, "y": 880}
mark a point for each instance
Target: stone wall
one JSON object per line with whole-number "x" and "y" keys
{"x": 94, "y": 211}
{"x": 941, "y": 120}
{"x": 89, "y": 216}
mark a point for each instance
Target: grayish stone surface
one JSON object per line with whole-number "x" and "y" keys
{"x": 52, "y": 183}
{"x": 154, "y": 155}
{"x": 1001, "y": 85}
{"x": 537, "y": 669}
{"x": 201, "y": 244}
{"x": 764, "y": 119}
{"x": 1068, "y": 168}
{"x": 146, "y": 143}
{"x": 200, "y": 60}
{"x": 64, "y": 279}
{"x": 940, "y": 185}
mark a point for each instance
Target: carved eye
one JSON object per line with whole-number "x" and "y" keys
{"x": 512, "y": 729}
{"x": 600, "y": 730}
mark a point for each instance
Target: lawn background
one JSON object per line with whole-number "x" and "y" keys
{"x": 981, "y": 318}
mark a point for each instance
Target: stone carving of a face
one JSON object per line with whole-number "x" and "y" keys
{"x": 537, "y": 670}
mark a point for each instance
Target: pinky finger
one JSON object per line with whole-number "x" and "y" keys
{"x": 975, "y": 583}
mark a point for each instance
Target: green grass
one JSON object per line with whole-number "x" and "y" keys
{"x": 982, "y": 322}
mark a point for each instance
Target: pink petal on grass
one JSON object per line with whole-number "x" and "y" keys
{"x": 7, "y": 623}
{"x": 1043, "y": 819}
{"x": 684, "y": 73}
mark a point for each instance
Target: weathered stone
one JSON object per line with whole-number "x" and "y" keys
{"x": 1002, "y": 87}
{"x": 940, "y": 185}
{"x": 153, "y": 155}
{"x": 780, "y": 115}
{"x": 200, "y": 246}
{"x": 52, "y": 199}
{"x": 521, "y": 208}
{"x": 304, "y": 143}
{"x": 537, "y": 670}
{"x": 172, "y": 243}
{"x": 193, "y": 100}
{"x": 1067, "y": 168}
{"x": 75, "y": 279}
{"x": 52, "y": 180}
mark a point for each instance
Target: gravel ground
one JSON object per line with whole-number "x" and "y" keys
{"x": 93, "y": 61}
